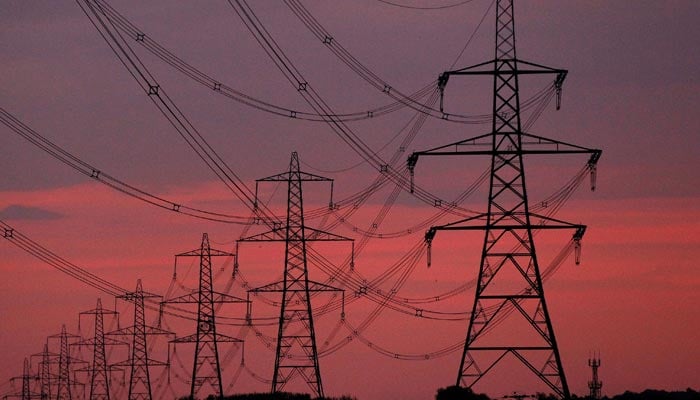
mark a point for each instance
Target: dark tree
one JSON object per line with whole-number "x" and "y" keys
{"x": 458, "y": 393}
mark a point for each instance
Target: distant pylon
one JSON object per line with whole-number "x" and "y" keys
{"x": 296, "y": 352}
{"x": 509, "y": 273}
{"x": 595, "y": 385}
{"x": 207, "y": 368}
{"x": 139, "y": 362}
{"x": 99, "y": 370}
{"x": 44, "y": 374}
{"x": 64, "y": 391}
{"x": 64, "y": 385}
{"x": 27, "y": 377}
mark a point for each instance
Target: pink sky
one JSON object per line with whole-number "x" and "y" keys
{"x": 632, "y": 91}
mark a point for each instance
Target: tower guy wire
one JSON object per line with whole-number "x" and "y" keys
{"x": 509, "y": 272}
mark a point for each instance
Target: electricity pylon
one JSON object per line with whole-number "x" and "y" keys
{"x": 207, "y": 368}
{"x": 594, "y": 385}
{"x": 27, "y": 377}
{"x": 99, "y": 370}
{"x": 508, "y": 249}
{"x": 139, "y": 361}
{"x": 44, "y": 373}
{"x": 296, "y": 352}
{"x": 64, "y": 383}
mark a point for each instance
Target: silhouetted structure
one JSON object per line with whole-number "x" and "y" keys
{"x": 296, "y": 352}
{"x": 27, "y": 377}
{"x": 206, "y": 368}
{"x": 594, "y": 384}
{"x": 139, "y": 361}
{"x": 44, "y": 374}
{"x": 65, "y": 384}
{"x": 508, "y": 249}
{"x": 99, "y": 370}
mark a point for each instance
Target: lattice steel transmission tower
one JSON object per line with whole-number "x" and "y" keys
{"x": 45, "y": 376}
{"x": 594, "y": 385}
{"x": 296, "y": 352}
{"x": 206, "y": 368}
{"x": 139, "y": 361}
{"x": 509, "y": 289}
{"x": 64, "y": 382}
{"x": 99, "y": 370}
{"x": 27, "y": 377}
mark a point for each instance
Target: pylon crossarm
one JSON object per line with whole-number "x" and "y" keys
{"x": 481, "y": 140}
{"x": 193, "y": 338}
{"x": 193, "y": 298}
{"x": 286, "y": 176}
{"x": 198, "y": 253}
{"x": 129, "y": 330}
{"x": 543, "y": 223}
{"x": 108, "y": 341}
{"x": 318, "y": 235}
{"x": 560, "y": 146}
{"x": 184, "y": 299}
{"x": 277, "y": 234}
{"x": 227, "y": 298}
{"x": 475, "y": 69}
{"x": 152, "y": 330}
{"x": 536, "y": 146}
{"x": 322, "y": 287}
{"x": 151, "y": 363}
{"x": 270, "y": 287}
{"x": 458, "y": 224}
{"x": 531, "y": 144}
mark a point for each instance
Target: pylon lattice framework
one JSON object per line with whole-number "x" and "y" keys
{"x": 508, "y": 249}
{"x": 139, "y": 361}
{"x": 296, "y": 353}
{"x": 207, "y": 368}
{"x": 99, "y": 370}
{"x": 27, "y": 377}
{"x": 64, "y": 384}
{"x": 45, "y": 376}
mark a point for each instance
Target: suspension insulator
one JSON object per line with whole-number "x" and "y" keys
{"x": 429, "y": 255}
{"x": 577, "y": 252}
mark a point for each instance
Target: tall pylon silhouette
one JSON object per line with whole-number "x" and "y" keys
{"x": 46, "y": 359}
{"x": 296, "y": 353}
{"x": 206, "y": 368}
{"x": 99, "y": 370}
{"x": 509, "y": 274}
{"x": 64, "y": 385}
{"x": 27, "y": 377}
{"x": 139, "y": 362}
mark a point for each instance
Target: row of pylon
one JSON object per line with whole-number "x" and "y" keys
{"x": 508, "y": 249}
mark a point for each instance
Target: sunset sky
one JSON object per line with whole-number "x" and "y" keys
{"x": 632, "y": 91}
